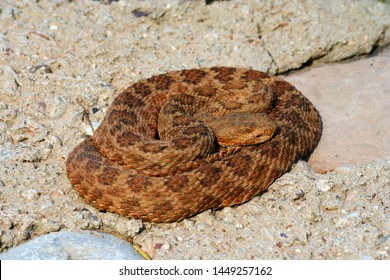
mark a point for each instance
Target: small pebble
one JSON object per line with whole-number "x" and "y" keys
{"x": 88, "y": 128}
{"x": 60, "y": 106}
{"x": 324, "y": 185}
{"x": 179, "y": 238}
{"x": 353, "y": 214}
{"x": 30, "y": 194}
{"x": 5, "y": 153}
{"x": 41, "y": 68}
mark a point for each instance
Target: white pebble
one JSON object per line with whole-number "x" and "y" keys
{"x": 30, "y": 194}
{"x": 324, "y": 185}
{"x": 60, "y": 106}
{"x": 88, "y": 128}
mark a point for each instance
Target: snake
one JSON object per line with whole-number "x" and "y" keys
{"x": 175, "y": 144}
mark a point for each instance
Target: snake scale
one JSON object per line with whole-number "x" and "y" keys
{"x": 179, "y": 143}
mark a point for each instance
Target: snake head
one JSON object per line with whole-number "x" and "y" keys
{"x": 241, "y": 128}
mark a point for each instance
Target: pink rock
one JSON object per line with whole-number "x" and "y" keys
{"x": 354, "y": 101}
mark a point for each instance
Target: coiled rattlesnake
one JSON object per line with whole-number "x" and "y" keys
{"x": 155, "y": 156}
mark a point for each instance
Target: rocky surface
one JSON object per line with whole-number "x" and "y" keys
{"x": 61, "y": 57}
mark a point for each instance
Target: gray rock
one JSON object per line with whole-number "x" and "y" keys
{"x": 73, "y": 246}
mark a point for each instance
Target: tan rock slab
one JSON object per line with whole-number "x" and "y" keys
{"x": 354, "y": 101}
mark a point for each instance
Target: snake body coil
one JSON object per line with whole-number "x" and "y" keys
{"x": 176, "y": 144}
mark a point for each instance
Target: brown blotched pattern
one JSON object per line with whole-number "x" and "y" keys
{"x": 126, "y": 168}
{"x": 193, "y": 76}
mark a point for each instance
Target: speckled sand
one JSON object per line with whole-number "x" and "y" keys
{"x": 58, "y": 57}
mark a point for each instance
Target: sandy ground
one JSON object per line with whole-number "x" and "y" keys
{"x": 59, "y": 57}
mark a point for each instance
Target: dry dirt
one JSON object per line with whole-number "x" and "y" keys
{"x": 60, "y": 58}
